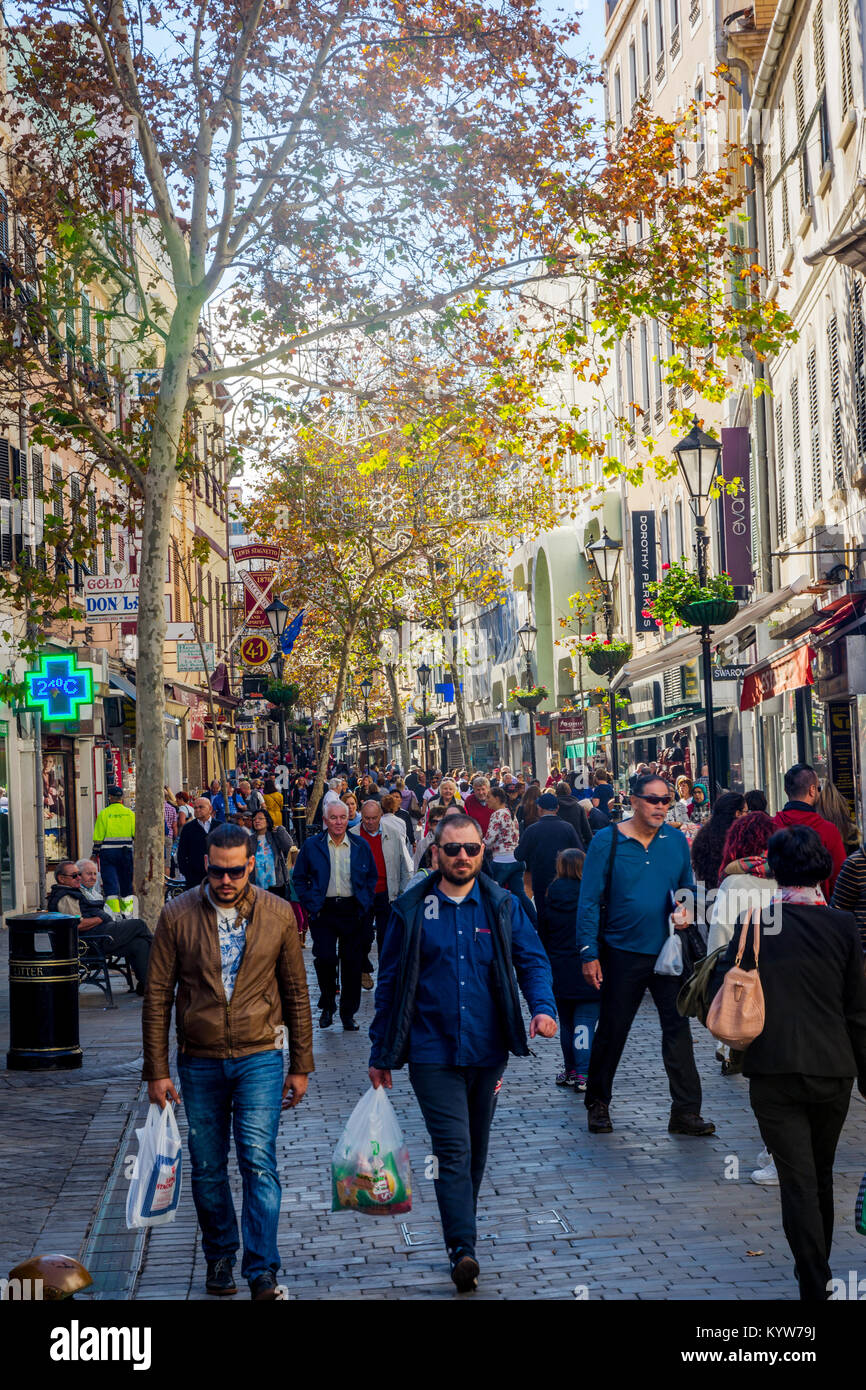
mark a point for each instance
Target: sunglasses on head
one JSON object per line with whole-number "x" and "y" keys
{"x": 217, "y": 872}
{"x": 654, "y": 800}
{"x": 452, "y": 850}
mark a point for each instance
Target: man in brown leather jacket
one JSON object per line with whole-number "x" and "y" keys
{"x": 232, "y": 954}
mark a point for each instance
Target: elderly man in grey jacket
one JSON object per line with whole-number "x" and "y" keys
{"x": 394, "y": 868}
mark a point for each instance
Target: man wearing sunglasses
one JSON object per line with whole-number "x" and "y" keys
{"x": 447, "y": 1002}
{"x": 233, "y": 952}
{"x": 622, "y": 923}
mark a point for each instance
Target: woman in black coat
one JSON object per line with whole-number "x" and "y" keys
{"x": 577, "y": 1001}
{"x": 802, "y": 1065}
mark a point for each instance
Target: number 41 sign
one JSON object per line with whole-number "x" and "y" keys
{"x": 59, "y": 688}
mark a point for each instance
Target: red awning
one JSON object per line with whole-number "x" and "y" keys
{"x": 835, "y": 617}
{"x": 788, "y": 671}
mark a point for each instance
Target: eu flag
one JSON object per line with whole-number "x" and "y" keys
{"x": 287, "y": 641}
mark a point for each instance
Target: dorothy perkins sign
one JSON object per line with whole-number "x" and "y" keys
{"x": 643, "y": 531}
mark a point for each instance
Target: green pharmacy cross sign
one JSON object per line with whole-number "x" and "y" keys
{"x": 59, "y": 688}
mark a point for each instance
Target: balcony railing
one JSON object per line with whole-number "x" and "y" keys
{"x": 675, "y": 42}
{"x": 695, "y": 11}
{"x": 660, "y": 68}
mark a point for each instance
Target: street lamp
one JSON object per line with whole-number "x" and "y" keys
{"x": 276, "y": 668}
{"x": 366, "y": 687}
{"x": 424, "y": 674}
{"x": 277, "y": 615}
{"x": 527, "y": 634}
{"x": 699, "y": 456}
{"x": 605, "y": 553}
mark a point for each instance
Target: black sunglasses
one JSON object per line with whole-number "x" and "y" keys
{"x": 236, "y": 871}
{"x": 452, "y": 850}
{"x": 655, "y": 800}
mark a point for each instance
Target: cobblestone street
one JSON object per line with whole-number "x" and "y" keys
{"x": 636, "y": 1214}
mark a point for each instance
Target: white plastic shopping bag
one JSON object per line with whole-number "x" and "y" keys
{"x": 154, "y": 1190}
{"x": 669, "y": 960}
{"x": 370, "y": 1168}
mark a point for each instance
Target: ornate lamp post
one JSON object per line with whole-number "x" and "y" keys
{"x": 699, "y": 456}
{"x": 605, "y": 553}
{"x": 527, "y": 634}
{"x": 424, "y": 673}
{"x": 276, "y": 668}
{"x": 366, "y": 687}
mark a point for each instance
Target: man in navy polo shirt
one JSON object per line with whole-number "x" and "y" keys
{"x": 447, "y": 1002}
{"x": 651, "y": 862}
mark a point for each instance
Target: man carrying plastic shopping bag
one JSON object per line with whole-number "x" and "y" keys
{"x": 232, "y": 952}
{"x": 447, "y": 1002}
{"x": 154, "y": 1191}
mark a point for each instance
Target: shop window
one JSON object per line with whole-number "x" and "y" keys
{"x": 58, "y": 803}
{"x": 7, "y": 863}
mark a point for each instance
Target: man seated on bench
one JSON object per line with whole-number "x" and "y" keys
{"x": 129, "y": 937}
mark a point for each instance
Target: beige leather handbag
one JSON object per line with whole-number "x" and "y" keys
{"x": 736, "y": 1015}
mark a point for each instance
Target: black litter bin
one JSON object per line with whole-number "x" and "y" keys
{"x": 43, "y": 992}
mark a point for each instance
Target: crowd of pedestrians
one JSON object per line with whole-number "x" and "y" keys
{"x": 476, "y": 888}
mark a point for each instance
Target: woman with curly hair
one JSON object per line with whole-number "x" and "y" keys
{"x": 744, "y": 880}
{"x": 709, "y": 842}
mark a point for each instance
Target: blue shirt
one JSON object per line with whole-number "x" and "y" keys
{"x": 643, "y": 879}
{"x": 236, "y": 803}
{"x": 456, "y": 1021}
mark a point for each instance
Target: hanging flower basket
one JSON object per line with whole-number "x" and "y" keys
{"x": 425, "y": 721}
{"x": 365, "y": 728}
{"x": 711, "y": 612}
{"x": 530, "y": 699}
{"x": 608, "y": 662}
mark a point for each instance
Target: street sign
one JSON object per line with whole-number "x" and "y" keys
{"x": 112, "y": 608}
{"x": 255, "y": 651}
{"x": 59, "y": 688}
{"x": 189, "y": 656}
{"x": 257, "y": 551}
{"x": 180, "y": 632}
{"x": 256, "y": 583}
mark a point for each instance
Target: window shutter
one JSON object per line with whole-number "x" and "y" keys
{"x": 5, "y": 507}
{"x": 814, "y": 427}
{"x": 818, "y": 59}
{"x": 60, "y": 562}
{"x": 798, "y": 457}
{"x": 770, "y": 216}
{"x": 783, "y": 178}
{"x": 38, "y": 511}
{"x": 782, "y": 517}
{"x": 75, "y": 495}
{"x": 800, "y": 111}
{"x": 838, "y": 456}
{"x": 847, "y": 79}
{"x": 858, "y": 345}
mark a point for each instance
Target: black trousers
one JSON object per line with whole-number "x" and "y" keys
{"x": 130, "y": 938}
{"x": 627, "y": 975}
{"x": 339, "y": 932}
{"x": 376, "y": 924}
{"x": 458, "y": 1104}
{"x": 800, "y": 1119}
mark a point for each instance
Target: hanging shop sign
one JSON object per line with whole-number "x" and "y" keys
{"x": 189, "y": 657}
{"x": 112, "y": 608}
{"x": 58, "y": 688}
{"x": 737, "y": 509}
{"x": 643, "y": 531}
{"x": 255, "y": 651}
{"x": 256, "y": 592}
{"x": 571, "y": 726}
{"x": 255, "y": 551}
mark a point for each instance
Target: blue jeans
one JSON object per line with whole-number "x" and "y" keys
{"x": 509, "y": 874}
{"x": 577, "y": 1024}
{"x": 115, "y": 866}
{"x": 458, "y": 1105}
{"x": 243, "y": 1093}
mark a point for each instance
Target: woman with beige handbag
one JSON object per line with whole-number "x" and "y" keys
{"x": 802, "y": 1022}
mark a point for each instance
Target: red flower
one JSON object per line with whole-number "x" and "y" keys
{"x": 606, "y": 642}
{"x": 665, "y": 567}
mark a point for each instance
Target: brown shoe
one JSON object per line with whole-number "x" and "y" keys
{"x": 366, "y": 981}
{"x": 598, "y": 1118}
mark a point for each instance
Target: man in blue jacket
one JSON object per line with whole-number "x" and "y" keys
{"x": 447, "y": 1001}
{"x": 335, "y": 879}
{"x": 631, "y": 874}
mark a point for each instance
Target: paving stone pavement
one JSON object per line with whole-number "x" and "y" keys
{"x": 563, "y": 1214}
{"x": 639, "y": 1214}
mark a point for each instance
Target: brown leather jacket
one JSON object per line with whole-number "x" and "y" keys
{"x": 270, "y": 990}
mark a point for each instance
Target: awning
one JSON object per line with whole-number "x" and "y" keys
{"x": 788, "y": 669}
{"x": 687, "y": 647}
{"x": 122, "y": 684}
{"x": 691, "y": 714}
{"x": 431, "y": 728}
{"x": 848, "y": 249}
{"x": 575, "y": 749}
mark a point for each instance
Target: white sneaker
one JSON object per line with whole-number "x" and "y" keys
{"x": 721, "y": 1052}
{"x": 766, "y": 1177}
